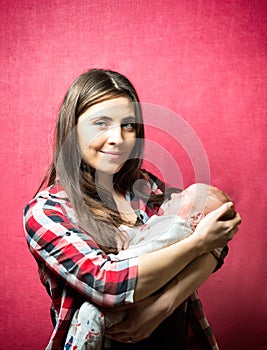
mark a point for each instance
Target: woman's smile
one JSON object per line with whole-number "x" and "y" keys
{"x": 107, "y": 134}
{"x": 112, "y": 154}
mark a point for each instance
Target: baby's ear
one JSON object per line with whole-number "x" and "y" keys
{"x": 195, "y": 217}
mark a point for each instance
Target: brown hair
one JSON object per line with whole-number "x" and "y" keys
{"x": 95, "y": 207}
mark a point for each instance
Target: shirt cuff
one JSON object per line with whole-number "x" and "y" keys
{"x": 220, "y": 254}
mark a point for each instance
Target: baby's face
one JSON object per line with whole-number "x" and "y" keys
{"x": 180, "y": 204}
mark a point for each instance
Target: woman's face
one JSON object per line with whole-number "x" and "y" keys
{"x": 107, "y": 134}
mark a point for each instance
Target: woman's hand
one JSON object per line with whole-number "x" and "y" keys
{"x": 214, "y": 231}
{"x": 122, "y": 240}
{"x": 142, "y": 319}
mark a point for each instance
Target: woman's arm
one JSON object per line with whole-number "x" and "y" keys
{"x": 159, "y": 267}
{"x": 187, "y": 281}
{"x": 71, "y": 255}
{"x": 74, "y": 257}
{"x": 145, "y": 316}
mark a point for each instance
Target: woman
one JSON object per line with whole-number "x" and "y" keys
{"x": 94, "y": 183}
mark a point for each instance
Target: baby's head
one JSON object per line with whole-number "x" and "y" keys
{"x": 195, "y": 202}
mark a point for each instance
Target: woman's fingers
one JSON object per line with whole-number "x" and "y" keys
{"x": 213, "y": 231}
{"x": 235, "y": 222}
{"x": 223, "y": 210}
{"x": 237, "y": 219}
{"x": 126, "y": 239}
{"x": 231, "y": 225}
{"x": 122, "y": 240}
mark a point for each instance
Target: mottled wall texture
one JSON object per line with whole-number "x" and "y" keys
{"x": 203, "y": 64}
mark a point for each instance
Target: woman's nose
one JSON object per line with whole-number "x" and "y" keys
{"x": 115, "y": 135}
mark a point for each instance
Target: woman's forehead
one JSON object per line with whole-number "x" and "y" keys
{"x": 117, "y": 108}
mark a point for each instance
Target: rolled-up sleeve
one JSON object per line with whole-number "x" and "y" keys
{"x": 70, "y": 253}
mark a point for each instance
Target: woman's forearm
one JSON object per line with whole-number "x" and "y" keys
{"x": 187, "y": 281}
{"x": 145, "y": 316}
{"x": 157, "y": 268}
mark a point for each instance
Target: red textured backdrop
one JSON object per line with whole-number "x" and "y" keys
{"x": 205, "y": 61}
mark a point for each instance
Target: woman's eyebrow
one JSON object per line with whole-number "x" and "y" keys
{"x": 93, "y": 118}
{"x": 129, "y": 118}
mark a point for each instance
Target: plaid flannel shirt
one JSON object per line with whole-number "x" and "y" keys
{"x": 74, "y": 269}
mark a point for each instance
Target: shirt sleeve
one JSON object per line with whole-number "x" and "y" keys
{"x": 71, "y": 254}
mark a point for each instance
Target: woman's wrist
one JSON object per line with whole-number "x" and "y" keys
{"x": 198, "y": 245}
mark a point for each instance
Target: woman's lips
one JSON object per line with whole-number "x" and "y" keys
{"x": 112, "y": 155}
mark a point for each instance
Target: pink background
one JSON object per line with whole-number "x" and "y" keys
{"x": 205, "y": 61}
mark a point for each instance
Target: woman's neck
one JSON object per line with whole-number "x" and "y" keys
{"x": 105, "y": 180}
{"x": 127, "y": 213}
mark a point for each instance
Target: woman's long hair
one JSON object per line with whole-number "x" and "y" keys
{"x": 93, "y": 205}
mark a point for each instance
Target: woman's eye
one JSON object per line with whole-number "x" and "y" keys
{"x": 129, "y": 126}
{"x": 101, "y": 124}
